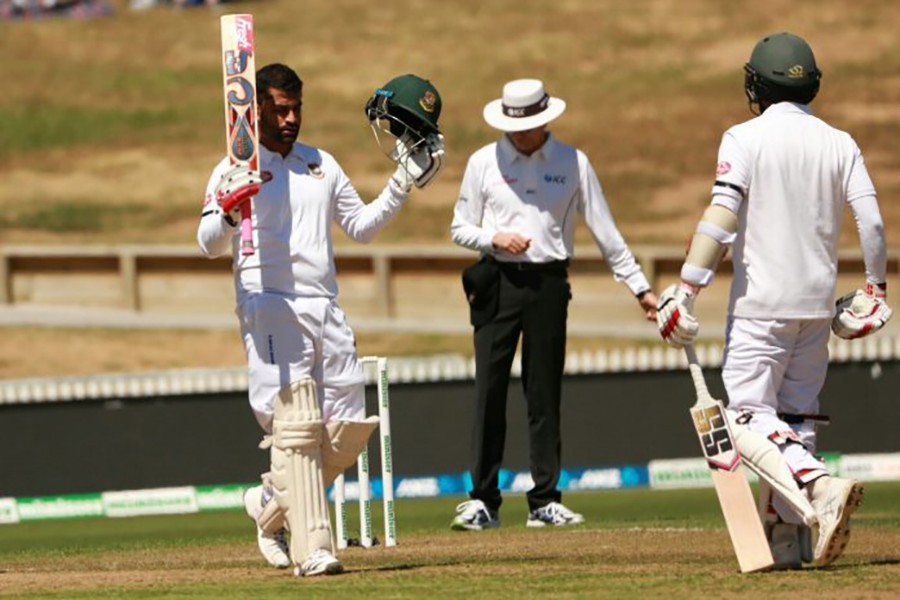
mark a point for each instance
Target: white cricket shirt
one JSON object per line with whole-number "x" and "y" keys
{"x": 292, "y": 217}
{"x": 538, "y": 197}
{"x": 787, "y": 175}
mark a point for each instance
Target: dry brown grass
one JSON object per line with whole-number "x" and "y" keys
{"x": 48, "y": 352}
{"x": 650, "y": 84}
{"x": 125, "y": 113}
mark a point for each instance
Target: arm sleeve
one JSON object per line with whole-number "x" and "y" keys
{"x": 361, "y": 221}
{"x": 214, "y": 234}
{"x": 871, "y": 237}
{"x": 592, "y": 204}
{"x": 468, "y": 228}
{"x": 864, "y": 206}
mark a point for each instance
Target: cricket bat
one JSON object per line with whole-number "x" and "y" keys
{"x": 239, "y": 79}
{"x": 735, "y": 497}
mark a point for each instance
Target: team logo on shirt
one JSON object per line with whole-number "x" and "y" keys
{"x": 560, "y": 179}
{"x": 723, "y": 167}
{"x": 315, "y": 171}
{"x": 427, "y": 101}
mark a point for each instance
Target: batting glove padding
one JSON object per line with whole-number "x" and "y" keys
{"x": 419, "y": 164}
{"x": 238, "y": 184}
{"x": 861, "y": 313}
{"x": 674, "y": 317}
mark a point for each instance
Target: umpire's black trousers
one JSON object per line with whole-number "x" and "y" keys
{"x": 533, "y": 303}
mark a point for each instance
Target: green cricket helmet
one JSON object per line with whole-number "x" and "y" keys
{"x": 782, "y": 68}
{"x": 407, "y": 106}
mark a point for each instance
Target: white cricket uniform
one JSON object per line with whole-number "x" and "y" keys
{"x": 286, "y": 291}
{"x": 788, "y": 175}
{"x": 537, "y": 197}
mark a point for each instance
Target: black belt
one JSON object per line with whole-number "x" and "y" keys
{"x": 553, "y": 266}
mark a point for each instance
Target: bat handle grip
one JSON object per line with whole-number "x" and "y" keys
{"x": 247, "y": 248}
{"x": 696, "y": 370}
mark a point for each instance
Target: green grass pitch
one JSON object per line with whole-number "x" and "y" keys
{"x": 635, "y": 543}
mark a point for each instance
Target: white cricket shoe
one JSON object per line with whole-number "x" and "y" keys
{"x": 320, "y": 562}
{"x": 834, "y": 499}
{"x": 553, "y": 514}
{"x": 274, "y": 546}
{"x": 474, "y": 515}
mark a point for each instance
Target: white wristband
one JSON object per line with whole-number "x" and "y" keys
{"x": 697, "y": 276}
{"x": 724, "y": 237}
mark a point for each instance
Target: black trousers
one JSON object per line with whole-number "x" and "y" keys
{"x": 533, "y": 304}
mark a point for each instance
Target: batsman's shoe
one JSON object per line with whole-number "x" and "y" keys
{"x": 553, "y": 514}
{"x": 273, "y": 547}
{"x": 474, "y": 515}
{"x": 320, "y": 562}
{"x": 834, "y": 499}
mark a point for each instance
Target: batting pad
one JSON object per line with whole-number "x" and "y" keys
{"x": 764, "y": 458}
{"x": 299, "y": 490}
{"x": 344, "y": 440}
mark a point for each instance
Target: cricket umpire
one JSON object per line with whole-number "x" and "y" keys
{"x": 517, "y": 206}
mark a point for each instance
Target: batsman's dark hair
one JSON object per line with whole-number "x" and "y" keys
{"x": 276, "y": 76}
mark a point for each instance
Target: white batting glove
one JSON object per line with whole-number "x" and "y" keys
{"x": 862, "y": 312}
{"x": 237, "y": 185}
{"x": 420, "y": 164}
{"x": 674, "y": 317}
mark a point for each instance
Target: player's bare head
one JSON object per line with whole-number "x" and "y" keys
{"x": 280, "y": 77}
{"x": 280, "y": 93}
{"x": 782, "y": 68}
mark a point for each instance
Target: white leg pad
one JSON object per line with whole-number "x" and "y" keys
{"x": 344, "y": 440}
{"x": 297, "y": 469}
{"x": 764, "y": 458}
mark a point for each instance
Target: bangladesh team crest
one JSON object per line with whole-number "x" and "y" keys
{"x": 428, "y": 101}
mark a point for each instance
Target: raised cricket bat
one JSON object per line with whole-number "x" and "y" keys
{"x": 239, "y": 78}
{"x": 735, "y": 497}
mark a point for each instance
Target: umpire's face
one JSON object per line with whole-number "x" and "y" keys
{"x": 529, "y": 141}
{"x": 280, "y": 116}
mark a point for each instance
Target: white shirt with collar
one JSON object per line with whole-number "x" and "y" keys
{"x": 538, "y": 197}
{"x": 292, "y": 217}
{"x": 787, "y": 175}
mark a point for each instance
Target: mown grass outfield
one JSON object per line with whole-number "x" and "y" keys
{"x": 635, "y": 543}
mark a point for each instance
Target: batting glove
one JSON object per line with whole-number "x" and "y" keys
{"x": 674, "y": 317}
{"x": 238, "y": 184}
{"x": 418, "y": 164}
{"x": 862, "y": 312}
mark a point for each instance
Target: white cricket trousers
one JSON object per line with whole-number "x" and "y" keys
{"x": 288, "y": 338}
{"x": 776, "y": 366}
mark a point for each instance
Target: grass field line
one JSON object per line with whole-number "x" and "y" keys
{"x": 635, "y": 543}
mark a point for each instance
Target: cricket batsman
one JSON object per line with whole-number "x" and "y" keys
{"x": 782, "y": 181}
{"x": 305, "y": 378}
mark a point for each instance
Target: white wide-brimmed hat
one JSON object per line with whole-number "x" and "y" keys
{"x": 524, "y": 105}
